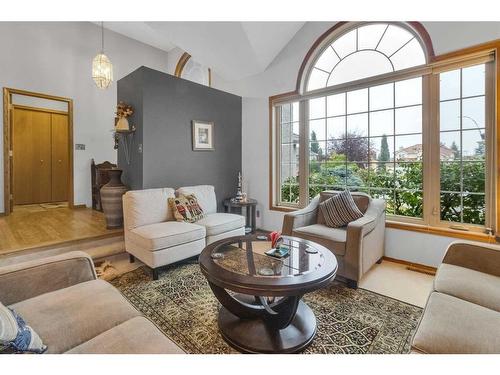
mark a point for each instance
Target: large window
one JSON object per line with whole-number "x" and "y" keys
{"x": 374, "y": 116}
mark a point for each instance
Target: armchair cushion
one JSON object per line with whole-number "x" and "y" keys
{"x": 361, "y": 200}
{"x": 340, "y": 210}
{"x": 167, "y": 234}
{"x": 473, "y": 286}
{"x": 332, "y": 238}
{"x": 220, "y": 223}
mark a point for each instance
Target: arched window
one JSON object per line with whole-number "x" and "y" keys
{"x": 366, "y": 51}
{"x": 375, "y": 112}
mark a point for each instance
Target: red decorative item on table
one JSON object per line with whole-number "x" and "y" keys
{"x": 274, "y": 237}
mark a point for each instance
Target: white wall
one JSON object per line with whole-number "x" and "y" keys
{"x": 281, "y": 77}
{"x": 56, "y": 58}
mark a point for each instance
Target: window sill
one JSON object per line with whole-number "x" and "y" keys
{"x": 441, "y": 231}
{"x": 283, "y": 208}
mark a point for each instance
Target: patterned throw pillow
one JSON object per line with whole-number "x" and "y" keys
{"x": 186, "y": 208}
{"x": 16, "y": 336}
{"x": 340, "y": 210}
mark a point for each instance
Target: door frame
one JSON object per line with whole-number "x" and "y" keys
{"x": 7, "y": 141}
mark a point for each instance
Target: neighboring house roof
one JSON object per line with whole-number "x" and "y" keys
{"x": 416, "y": 151}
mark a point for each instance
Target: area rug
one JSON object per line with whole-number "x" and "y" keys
{"x": 182, "y": 305}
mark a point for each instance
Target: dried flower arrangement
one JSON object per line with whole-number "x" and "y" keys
{"x": 124, "y": 110}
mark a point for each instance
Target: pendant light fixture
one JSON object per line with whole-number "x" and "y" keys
{"x": 102, "y": 69}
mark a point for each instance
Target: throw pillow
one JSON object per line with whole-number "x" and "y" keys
{"x": 16, "y": 335}
{"x": 186, "y": 208}
{"x": 340, "y": 210}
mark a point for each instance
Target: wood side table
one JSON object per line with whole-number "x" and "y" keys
{"x": 250, "y": 206}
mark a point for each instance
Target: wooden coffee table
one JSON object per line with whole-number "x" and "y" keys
{"x": 262, "y": 310}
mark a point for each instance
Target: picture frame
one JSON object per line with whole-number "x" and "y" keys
{"x": 203, "y": 135}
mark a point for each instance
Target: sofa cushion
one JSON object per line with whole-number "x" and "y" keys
{"x": 205, "y": 195}
{"x": 135, "y": 336}
{"x": 186, "y": 208}
{"x": 451, "y": 326}
{"x": 473, "y": 286}
{"x": 143, "y": 207}
{"x": 221, "y": 222}
{"x": 167, "y": 234}
{"x": 332, "y": 238}
{"x": 68, "y": 317}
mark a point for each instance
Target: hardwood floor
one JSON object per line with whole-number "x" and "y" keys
{"x": 35, "y": 226}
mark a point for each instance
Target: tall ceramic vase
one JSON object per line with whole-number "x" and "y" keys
{"x": 111, "y": 198}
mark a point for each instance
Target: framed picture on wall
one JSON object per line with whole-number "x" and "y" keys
{"x": 203, "y": 136}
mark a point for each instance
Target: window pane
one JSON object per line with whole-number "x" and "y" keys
{"x": 451, "y": 175}
{"x": 290, "y": 193}
{"x": 346, "y": 44}
{"x": 449, "y": 115}
{"x": 290, "y": 132}
{"x": 355, "y": 172}
{"x": 473, "y": 146}
{"x": 408, "y": 92}
{"x": 381, "y": 122}
{"x": 327, "y": 60}
{"x": 382, "y": 97}
{"x": 336, "y": 127}
{"x": 387, "y": 195}
{"x": 408, "y": 56}
{"x": 409, "y": 147}
{"x": 317, "y": 130}
{"x": 357, "y": 101}
{"x": 451, "y": 207}
{"x": 317, "y": 108}
{"x": 473, "y": 112}
{"x": 409, "y": 203}
{"x": 474, "y": 208}
{"x": 450, "y": 145}
{"x": 334, "y": 174}
{"x": 369, "y": 35}
{"x": 357, "y": 149}
{"x": 473, "y": 80}
{"x": 474, "y": 177}
{"x": 360, "y": 65}
{"x": 394, "y": 38}
{"x": 317, "y": 79}
{"x": 286, "y": 113}
{"x": 357, "y": 125}
{"x": 449, "y": 85}
{"x": 409, "y": 176}
{"x": 336, "y": 105}
{"x": 409, "y": 120}
{"x": 382, "y": 149}
{"x": 316, "y": 151}
{"x": 295, "y": 111}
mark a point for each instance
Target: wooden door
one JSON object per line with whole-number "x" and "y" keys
{"x": 31, "y": 158}
{"x": 60, "y": 157}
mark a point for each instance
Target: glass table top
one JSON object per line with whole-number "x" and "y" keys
{"x": 247, "y": 257}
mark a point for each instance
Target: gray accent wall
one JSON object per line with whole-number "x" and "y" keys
{"x": 164, "y": 109}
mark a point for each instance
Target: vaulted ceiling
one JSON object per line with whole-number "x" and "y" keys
{"x": 232, "y": 49}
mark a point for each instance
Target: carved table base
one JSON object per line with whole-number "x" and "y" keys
{"x": 255, "y": 325}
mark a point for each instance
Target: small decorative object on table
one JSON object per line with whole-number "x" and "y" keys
{"x": 240, "y": 196}
{"x": 278, "y": 250}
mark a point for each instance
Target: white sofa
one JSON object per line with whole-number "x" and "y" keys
{"x": 153, "y": 236}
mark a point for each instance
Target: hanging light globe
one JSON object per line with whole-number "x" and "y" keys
{"x": 102, "y": 71}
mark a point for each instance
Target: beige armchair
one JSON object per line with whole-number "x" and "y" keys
{"x": 358, "y": 246}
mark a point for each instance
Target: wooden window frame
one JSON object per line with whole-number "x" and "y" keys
{"x": 457, "y": 59}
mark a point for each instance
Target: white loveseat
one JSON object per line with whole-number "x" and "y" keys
{"x": 153, "y": 236}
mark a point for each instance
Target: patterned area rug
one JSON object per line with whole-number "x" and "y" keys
{"x": 182, "y": 305}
